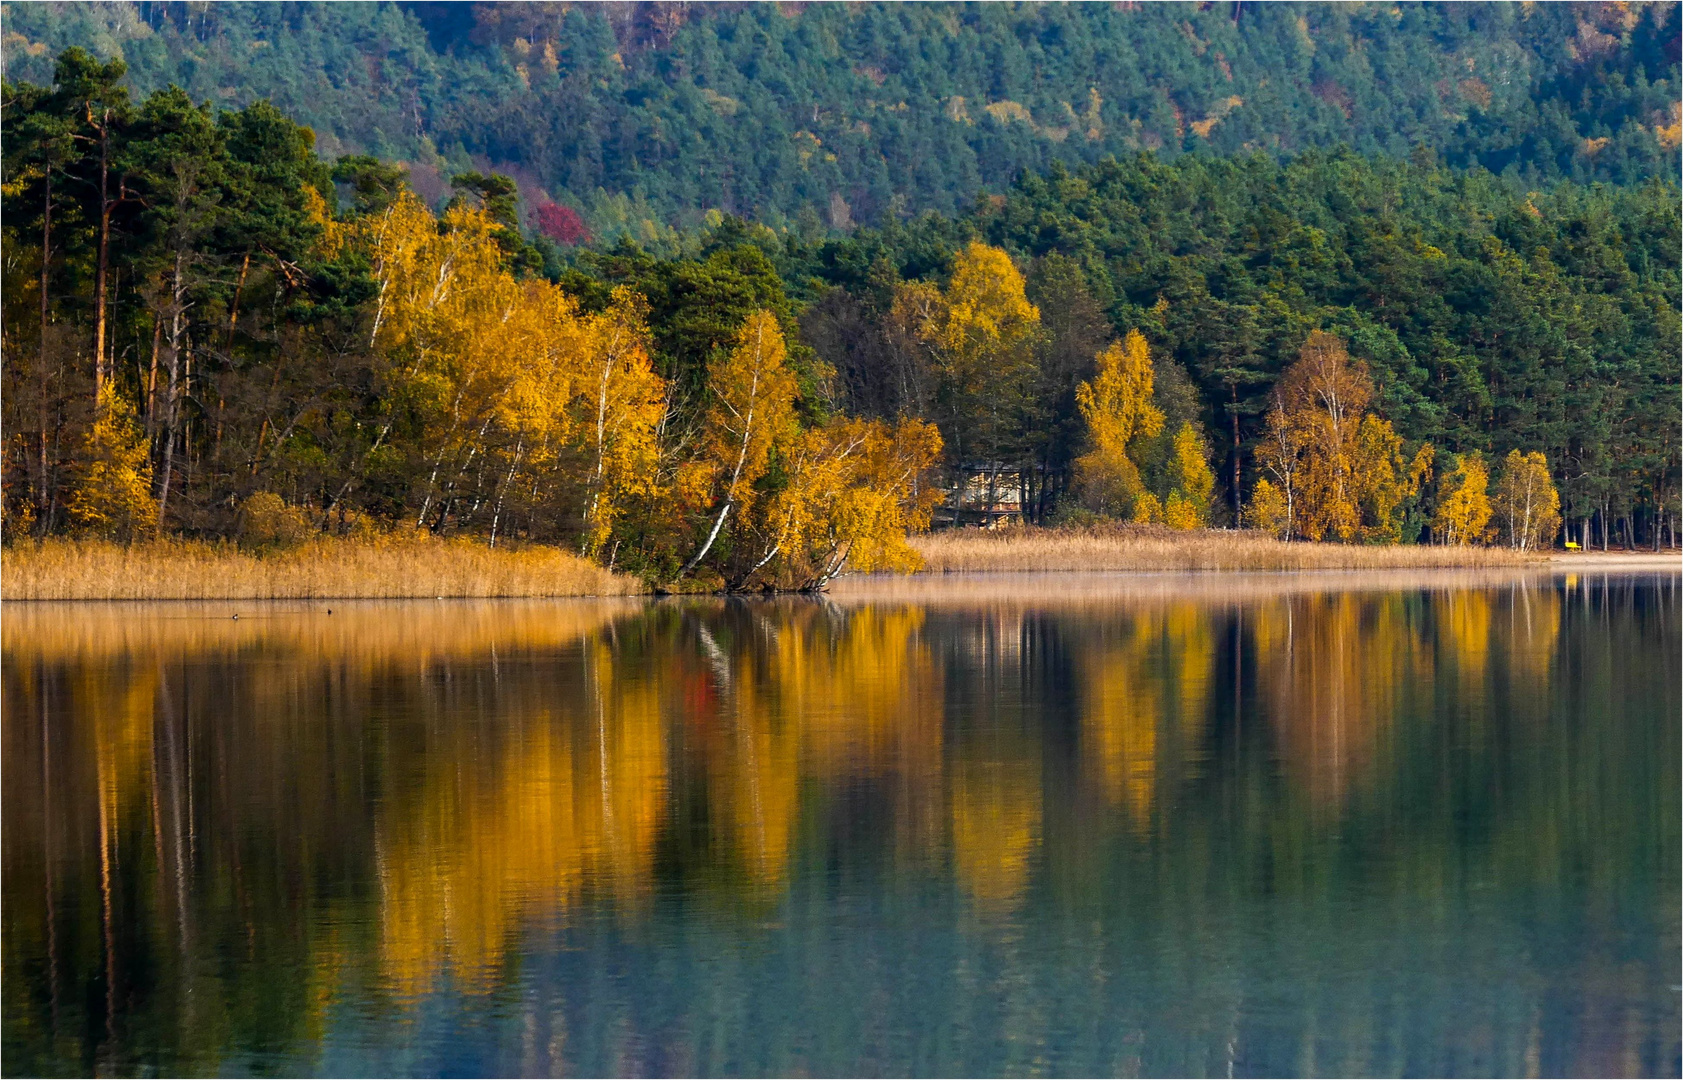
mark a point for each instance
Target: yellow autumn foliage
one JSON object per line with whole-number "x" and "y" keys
{"x": 854, "y": 492}
{"x": 1190, "y": 481}
{"x": 1268, "y": 510}
{"x": 1463, "y": 505}
{"x": 980, "y": 332}
{"x": 1527, "y": 506}
{"x": 113, "y": 493}
{"x": 1334, "y": 471}
{"x": 1116, "y": 405}
{"x": 617, "y": 414}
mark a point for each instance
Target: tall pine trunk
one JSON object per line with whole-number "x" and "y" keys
{"x": 104, "y": 258}
{"x": 43, "y": 499}
{"x": 152, "y": 381}
{"x": 1233, "y": 412}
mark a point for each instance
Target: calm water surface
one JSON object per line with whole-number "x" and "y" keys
{"x": 1162, "y": 826}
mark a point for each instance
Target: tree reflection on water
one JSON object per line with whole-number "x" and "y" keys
{"x": 1422, "y": 829}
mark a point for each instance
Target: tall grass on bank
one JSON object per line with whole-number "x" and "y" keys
{"x": 324, "y": 568}
{"x": 1153, "y": 547}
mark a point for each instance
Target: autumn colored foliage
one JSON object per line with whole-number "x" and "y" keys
{"x": 209, "y": 326}
{"x": 1464, "y": 509}
{"x": 1333, "y": 469}
{"x": 1527, "y": 506}
{"x": 562, "y": 224}
{"x": 566, "y": 430}
{"x": 1125, "y": 427}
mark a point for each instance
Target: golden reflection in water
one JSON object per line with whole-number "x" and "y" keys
{"x": 1331, "y": 667}
{"x": 552, "y": 784}
{"x": 225, "y": 837}
{"x": 1144, "y": 688}
{"x": 1532, "y": 635}
{"x": 1336, "y": 669}
{"x": 996, "y": 816}
{"x": 1465, "y": 634}
{"x": 752, "y": 753}
{"x": 568, "y": 802}
{"x": 413, "y": 635}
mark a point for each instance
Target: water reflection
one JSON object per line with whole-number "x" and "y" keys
{"x": 1270, "y": 827}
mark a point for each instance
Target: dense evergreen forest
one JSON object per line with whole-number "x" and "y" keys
{"x": 641, "y": 117}
{"x": 215, "y": 327}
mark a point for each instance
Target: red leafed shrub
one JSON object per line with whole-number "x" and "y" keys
{"x": 562, "y": 224}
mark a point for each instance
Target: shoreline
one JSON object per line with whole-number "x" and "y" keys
{"x": 1616, "y": 560}
{"x": 1155, "y": 548}
{"x": 426, "y": 569}
{"x": 1079, "y": 588}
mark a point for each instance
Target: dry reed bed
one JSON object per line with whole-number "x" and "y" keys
{"x": 321, "y": 569}
{"x": 1148, "y": 548}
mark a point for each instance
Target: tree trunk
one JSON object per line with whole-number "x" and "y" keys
{"x": 228, "y": 358}
{"x": 1233, "y": 412}
{"x": 41, "y": 375}
{"x": 103, "y": 261}
{"x": 152, "y": 381}
{"x": 171, "y": 400}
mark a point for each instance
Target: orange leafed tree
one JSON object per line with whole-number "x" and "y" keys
{"x": 1333, "y": 470}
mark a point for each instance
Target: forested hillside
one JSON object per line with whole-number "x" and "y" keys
{"x": 644, "y": 116}
{"x": 211, "y": 327}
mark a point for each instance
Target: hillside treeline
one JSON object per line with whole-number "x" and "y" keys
{"x": 1488, "y": 319}
{"x": 211, "y": 330}
{"x": 818, "y": 116}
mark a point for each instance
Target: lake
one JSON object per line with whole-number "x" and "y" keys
{"x": 1069, "y": 824}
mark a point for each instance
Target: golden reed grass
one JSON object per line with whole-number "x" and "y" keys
{"x": 320, "y": 569}
{"x": 1154, "y": 548}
